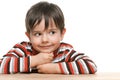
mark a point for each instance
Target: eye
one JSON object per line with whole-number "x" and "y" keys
{"x": 52, "y": 32}
{"x": 37, "y": 34}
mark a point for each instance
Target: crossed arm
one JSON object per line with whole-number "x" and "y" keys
{"x": 20, "y": 60}
{"x": 78, "y": 64}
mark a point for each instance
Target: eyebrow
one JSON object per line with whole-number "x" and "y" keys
{"x": 46, "y": 29}
{"x": 53, "y": 29}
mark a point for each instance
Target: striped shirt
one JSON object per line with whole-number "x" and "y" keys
{"x": 70, "y": 62}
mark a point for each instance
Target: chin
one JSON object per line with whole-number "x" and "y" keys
{"x": 46, "y": 51}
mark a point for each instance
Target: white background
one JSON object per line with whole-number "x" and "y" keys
{"x": 93, "y": 27}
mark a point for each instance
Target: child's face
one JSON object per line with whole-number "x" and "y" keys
{"x": 46, "y": 40}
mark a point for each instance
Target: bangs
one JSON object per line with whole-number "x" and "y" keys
{"x": 48, "y": 21}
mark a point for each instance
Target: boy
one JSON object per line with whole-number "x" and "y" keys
{"x": 45, "y": 53}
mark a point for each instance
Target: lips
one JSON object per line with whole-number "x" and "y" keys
{"x": 46, "y": 47}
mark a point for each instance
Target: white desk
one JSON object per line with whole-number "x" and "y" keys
{"x": 35, "y": 76}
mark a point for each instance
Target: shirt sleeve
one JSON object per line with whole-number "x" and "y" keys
{"x": 16, "y": 60}
{"x": 72, "y": 62}
{"x": 77, "y": 64}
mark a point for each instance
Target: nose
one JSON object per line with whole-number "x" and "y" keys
{"x": 44, "y": 38}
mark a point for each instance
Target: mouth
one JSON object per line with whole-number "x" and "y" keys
{"x": 46, "y": 47}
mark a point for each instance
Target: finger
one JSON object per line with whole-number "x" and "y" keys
{"x": 39, "y": 71}
{"x": 51, "y": 54}
{"x": 50, "y": 58}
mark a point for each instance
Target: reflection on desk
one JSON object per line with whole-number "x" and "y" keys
{"x": 36, "y": 76}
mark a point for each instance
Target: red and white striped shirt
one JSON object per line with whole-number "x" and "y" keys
{"x": 70, "y": 61}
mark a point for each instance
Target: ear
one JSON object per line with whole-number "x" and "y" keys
{"x": 28, "y": 35}
{"x": 63, "y": 33}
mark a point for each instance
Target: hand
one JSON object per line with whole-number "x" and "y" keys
{"x": 41, "y": 58}
{"x": 49, "y": 68}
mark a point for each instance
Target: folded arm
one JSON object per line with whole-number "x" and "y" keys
{"x": 73, "y": 63}
{"x": 16, "y": 60}
{"x": 82, "y": 65}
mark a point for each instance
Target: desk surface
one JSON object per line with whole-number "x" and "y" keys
{"x": 35, "y": 76}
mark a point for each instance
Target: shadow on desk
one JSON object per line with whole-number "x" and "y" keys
{"x": 36, "y": 76}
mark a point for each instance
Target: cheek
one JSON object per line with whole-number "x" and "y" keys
{"x": 35, "y": 41}
{"x": 56, "y": 39}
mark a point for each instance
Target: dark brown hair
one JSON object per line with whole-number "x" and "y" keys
{"x": 47, "y": 11}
